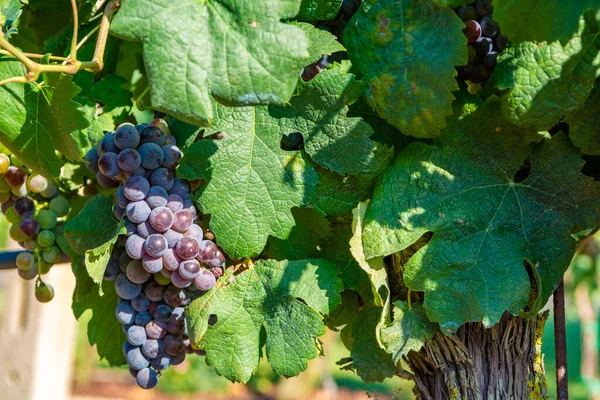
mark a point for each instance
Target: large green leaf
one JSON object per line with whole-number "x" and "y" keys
{"x": 321, "y": 41}
{"x": 319, "y": 9}
{"x": 584, "y": 125}
{"x": 547, "y": 81}
{"x": 408, "y": 50}
{"x": 235, "y": 50}
{"x": 540, "y": 20}
{"x": 277, "y": 304}
{"x": 493, "y": 202}
{"x": 36, "y": 119}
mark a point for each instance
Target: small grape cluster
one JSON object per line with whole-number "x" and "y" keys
{"x": 167, "y": 257}
{"x": 485, "y": 41}
{"x": 36, "y": 213}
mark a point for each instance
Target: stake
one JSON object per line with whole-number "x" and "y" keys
{"x": 560, "y": 343}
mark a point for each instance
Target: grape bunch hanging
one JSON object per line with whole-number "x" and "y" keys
{"x": 165, "y": 259}
{"x": 485, "y": 41}
{"x": 36, "y": 212}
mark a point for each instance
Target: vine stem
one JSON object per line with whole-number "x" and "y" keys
{"x": 73, "y": 54}
{"x": 560, "y": 343}
{"x": 34, "y": 55}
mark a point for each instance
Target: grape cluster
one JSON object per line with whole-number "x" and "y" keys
{"x": 485, "y": 41}
{"x": 167, "y": 258}
{"x": 36, "y": 213}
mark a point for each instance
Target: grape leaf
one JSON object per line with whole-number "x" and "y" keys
{"x": 344, "y": 317}
{"x": 235, "y": 50}
{"x": 321, "y": 41}
{"x": 409, "y": 331}
{"x": 452, "y": 3}
{"x": 548, "y": 81}
{"x": 109, "y": 91}
{"x": 36, "y": 121}
{"x": 252, "y": 183}
{"x": 319, "y": 9}
{"x": 267, "y": 298}
{"x": 584, "y": 125}
{"x": 541, "y": 21}
{"x": 492, "y": 200}
{"x": 407, "y": 50}
{"x": 104, "y": 330}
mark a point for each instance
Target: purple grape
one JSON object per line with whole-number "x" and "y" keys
{"x": 490, "y": 60}
{"x": 182, "y": 220}
{"x": 124, "y": 261}
{"x": 483, "y": 46}
{"x": 125, "y": 313}
{"x": 182, "y": 188}
{"x": 141, "y": 127}
{"x": 205, "y": 281}
{"x": 166, "y": 273}
{"x": 174, "y": 296}
{"x": 501, "y": 42}
{"x": 126, "y": 289}
{"x": 136, "y": 359}
{"x": 126, "y": 136}
{"x": 157, "y": 197}
{"x": 162, "y": 177}
{"x": 161, "y": 219}
{"x": 118, "y": 212}
{"x": 108, "y": 164}
{"x": 156, "y": 330}
{"x": 136, "y": 272}
{"x": 136, "y": 335}
{"x": 178, "y": 359}
{"x": 170, "y": 260}
{"x": 143, "y": 318}
{"x": 147, "y": 378}
{"x": 152, "y": 348}
{"x": 129, "y": 160}
{"x": 195, "y": 232}
{"x": 130, "y": 227}
{"x": 152, "y": 134}
{"x": 152, "y": 155}
{"x": 162, "y": 313}
{"x": 15, "y": 176}
{"x": 188, "y": 205}
{"x": 107, "y": 144}
{"x": 91, "y": 160}
{"x": 122, "y": 201}
{"x": 140, "y": 303}
{"x": 484, "y": 7}
{"x": 180, "y": 281}
{"x": 136, "y": 188}
{"x": 105, "y": 181}
{"x": 154, "y": 291}
{"x": 152, "y": 264}
{"x": 161, "y": 363}
{"x": 135, "y": 247}
{"x": 472, "y": 31}
{"x": 170, "y": 139}
{"x": 187, "y": 248}
{"x": 489, "y": 27}
{"x": 112, "y": 270}
{"x": 138, "y": 211}
{"x": 173, "y": 345}
{"x": 172, "y": 154}
{"x": 466, "y": 13}
{"x": 145, "y": 229}
{"x": 156, "y": 245}
{"x": 189, "y": 269}
{"x": 24, "y": 206}
{"x": 218, "y": 261}
{"x": 175, "y": 202}
{"x": 208, "y": 251}
{"x": 173, "y": 237}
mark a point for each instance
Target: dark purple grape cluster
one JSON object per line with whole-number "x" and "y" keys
{"x": 168, "y": 258}
{"x": 36, "y": 213}
{"x": 485, "y": 41}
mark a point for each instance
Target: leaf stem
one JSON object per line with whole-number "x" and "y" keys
{"x": 34, "y": 55}
{"x": 408, "y": 298}
{"x": 86, "y": 37}
{"x": 73, "y": 54}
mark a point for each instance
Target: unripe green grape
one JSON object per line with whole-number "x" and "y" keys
{"x": 30, "y": 244}
{"x": 161, "y": 279}
{"x": 47, "y": 219}
{"x": 43, "y": 267}
{"x": 50, "y": 191}
{"x": 25, "y": 261}
{"x": 4, "y": 163}
{"x": 28, "y": 274}
{"x": 15, "y": 161}
{"x": 46, "y": 238}
{"x": 20, "y": 190}
{"x": 11, "y": 216}
{"x": 51, "y": 255}
{"x": 60, "y": 206}
{"x": 4, "y": 187}
{"x": 15, "y": 233}
{"x": 37, "y": 183}
{"x": 44, "y": 293}
{"x": 4, "y": 197}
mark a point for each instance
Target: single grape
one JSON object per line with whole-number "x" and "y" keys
{"x": 188, "y": 205}
{"x": 161, "y": 362}
{"x": 15, "y": 233}
{"x": 162, "y": 313}
{"x": 154, "y": 291}
{"x": 145, "y": 229}
{"x": 484, "y": 7}
{"x": 472, "y": 31}
{"x": 174, "y": 296}
{"x": 105, "y": 181}
{"x": 157, "y": 197}
{"x": 46, "y": 238}
{"x": 172, "y": 237}
{"x": 37, "y": 183}
{"x": 195, "y": 232}
{"x": 107, "y": 144}
{"x": 501, "y": 42}
{"x": 51, "y": 255}
{"x": 162, "y": 279}
{"x": 125, "y": 313}
{"x": 118, "y": 212}
{"x": 161, "y": 219}
{"x": 182, "y": 221}
{"x": 136, "y": 335}
{"x": 24, "y": 206}
{"x": 91, "y": 160}
{"x": 172, "y": 154}
{"x": 152, "y": 348}
{"x": 25, "y": 261}
{"x": 135, "y": 247}
{"x": 11, "y": 215}
{"x": 4, "y": 187}
{"x": 108, "y": 164}
{"x": 126, "y": 289}
{"x": 156, "y": 245}
{"x": 15, "y": 176}
{"x": 170, "y": 260}
{"x": 490, "y": 60}
{"x": 51, "y": 190}
{"x": 60, "y": 206}
{"x": 489, "y": 27}
{"x": 136, "y": 359}
{"x": 136, "y": 273}
{"x": 189, "y": 269}
{"x": 217, "y": 272}
{"x": 152, "y": 264}
{"x": 138, "y": 211}
{"x": 208, "y": 251}
{"x": 156, "y": 330}
{"x": 160, "y": 124}
{"x": 147, "y": 378}
{"x": 28, "y": 274}
{"x": 178, "y": 359}
{"x": 152, "y": 155}
{"x": 140, "y": 127}
{"x": 47, "y": 219}
{"x": 187, "y": 248}
{"x": 162, "y": 177}
{"x": 218, "y": 261}
{"x": 4, "y": 163}
{"x": 44, "y": 293}
{"x": 136, "y": 188}
{"x": 170, "y": 139}
{"x": 19, "y": 191}
{"x": 4, "y": 197}
{"x": 30, "y": 227}
{"x": 182, "y": 188}
{"x": 180, "y": 281}
{"x": 126, "y": 136}
{"x": 143, "y": 318}
{"x": 152, "y": 134}
{"x": 140, "y": 303}
{"x": 205, "y": 281}
{"x": 112, "y": 270}
{"x": 467, "y": 13}
{"x": 173, "y": 345}
{"x": 483, "y": 46}
{"x": 124, "y": 261}
{"x": 129, "y": 160}
{"x": 175, "y": 202}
